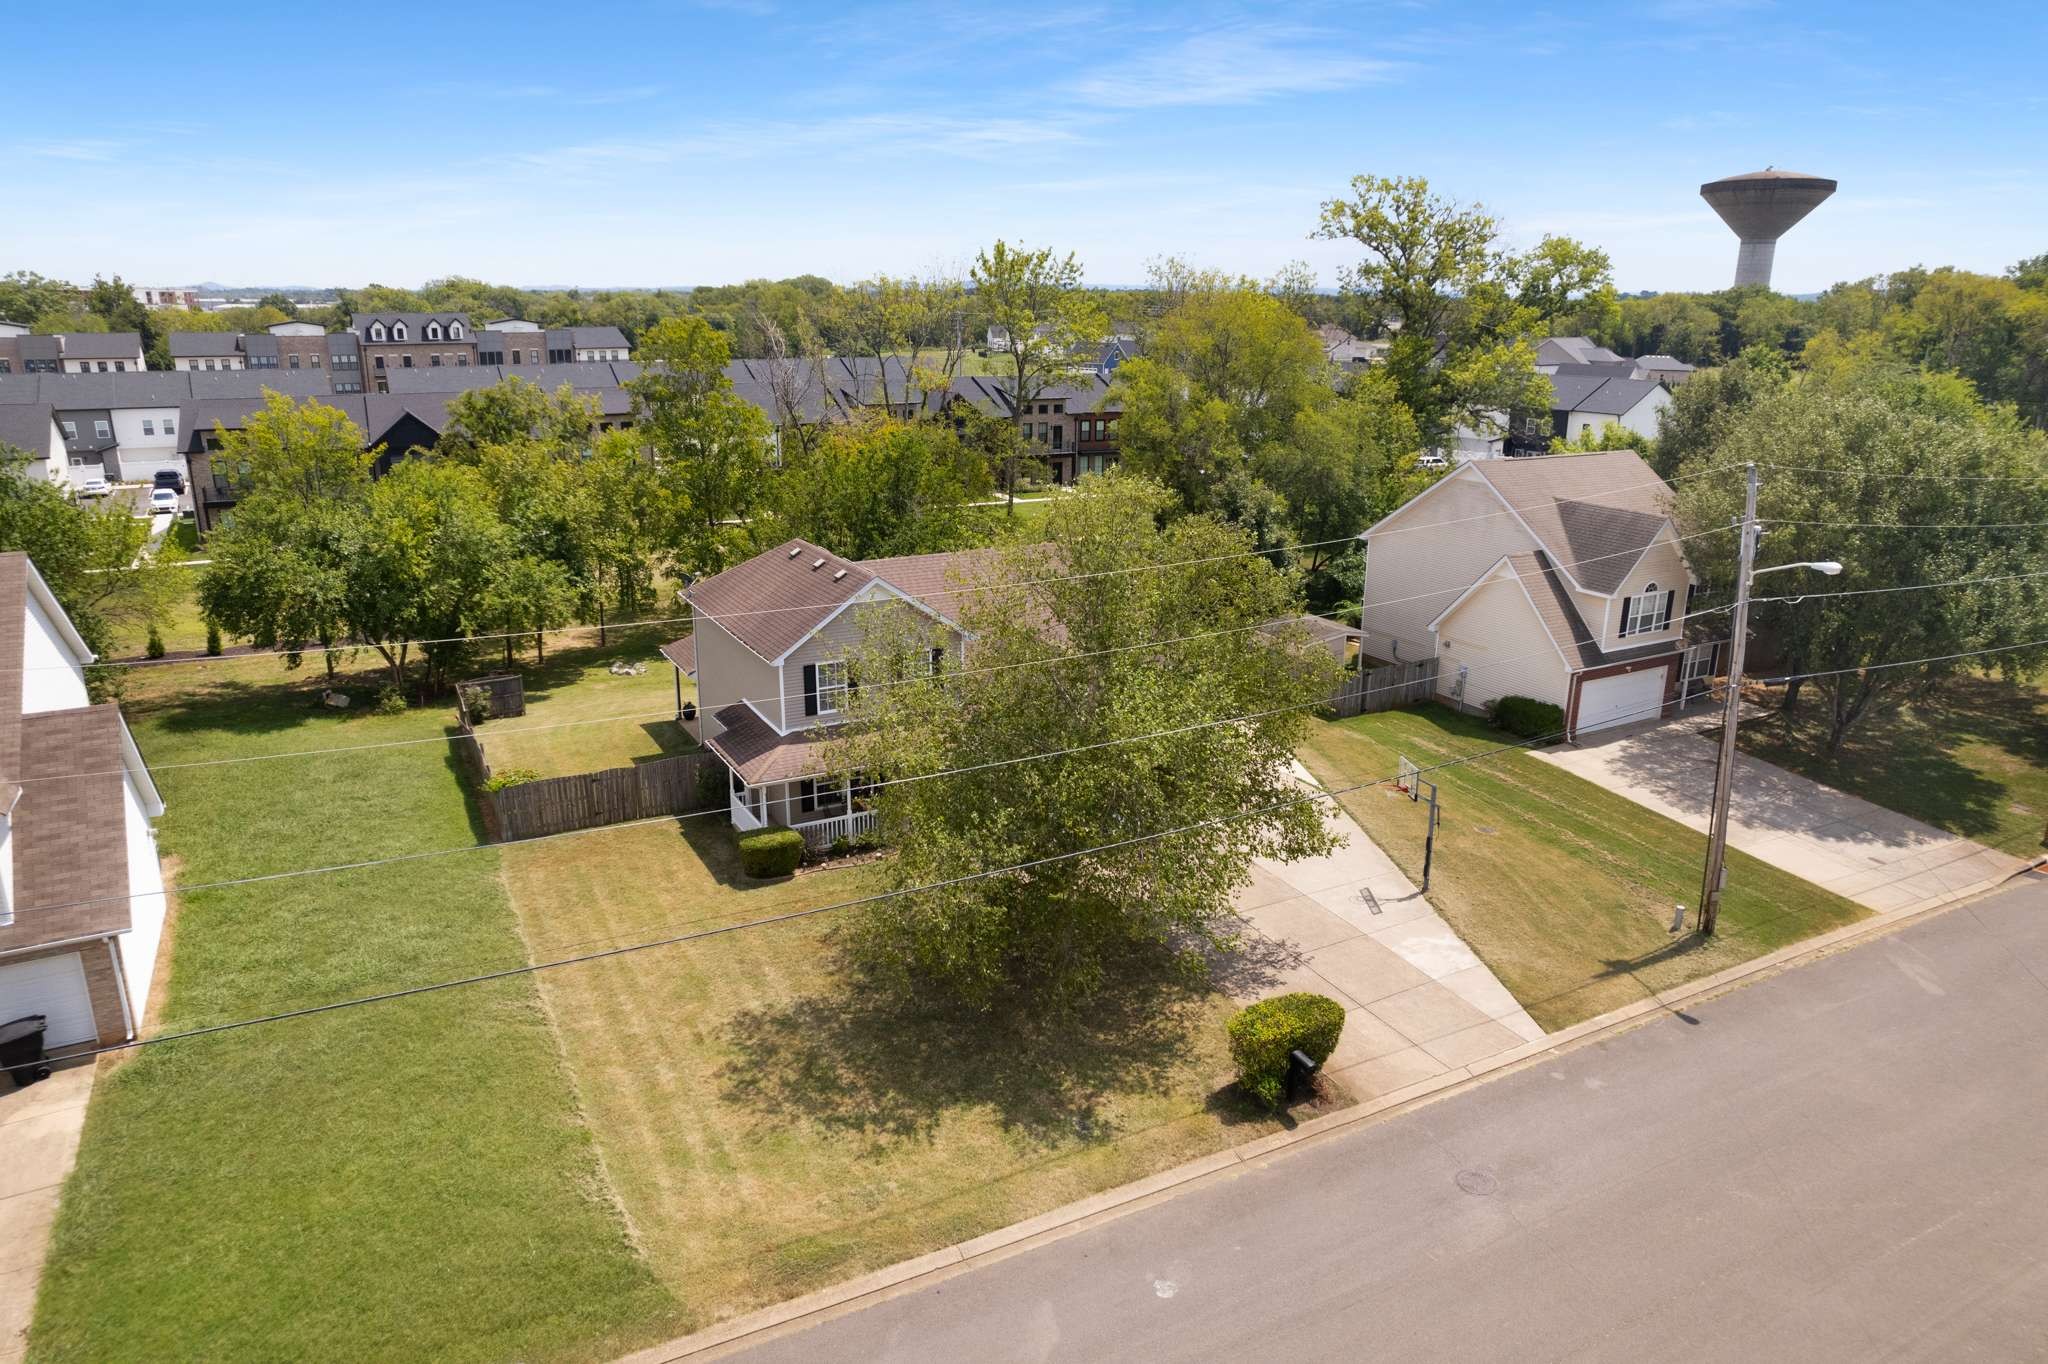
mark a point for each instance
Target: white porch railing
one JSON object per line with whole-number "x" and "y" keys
{"x": 742, "y": 817}
{"x": 820, "y": 834}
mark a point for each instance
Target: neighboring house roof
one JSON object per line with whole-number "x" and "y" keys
{"x": 596, "y": 336}
{"x": 68, "y": 842}
{"x": 751, "y": 747}
{"x": 415, "y": 323}
{"x": 102, "y": 345}
{"x": 1617, "y": 396}
{"x": 27, "y": 427}
{"x": 1555, "y": 350}
{"x": 1602, "y": 369}
{"x": 683, "y": 653}
{"x": 1595, "y": 514}
{"x": 1663, "y": 364}
{"x": 186, "y": 345}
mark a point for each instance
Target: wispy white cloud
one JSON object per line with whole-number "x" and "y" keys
{"x": 1237, "y": 64}
{"x": 78, "y": 149}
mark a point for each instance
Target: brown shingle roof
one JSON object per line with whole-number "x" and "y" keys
{"x": 69, "y": 835}
{"x": 752, "y": 748}
{"x": 775, "y": 599}
{"x": 683, "y": 653}
{"x": 1594, "y": 514}
{"x": 1560, "y": 617}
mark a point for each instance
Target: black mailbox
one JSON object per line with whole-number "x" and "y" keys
{"x": 1301, "y": 1076}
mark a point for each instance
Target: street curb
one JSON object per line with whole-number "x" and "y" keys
{"x": 907, "y": 1275}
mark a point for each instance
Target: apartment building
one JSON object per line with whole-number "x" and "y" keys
{"x": 513, "y": 342}
{"x": 388, "y": 342}
{"x": 22, "y": 352}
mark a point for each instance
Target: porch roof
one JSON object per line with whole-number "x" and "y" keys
{"x": 752, "y": 748}
{"x": 683, "y": 653}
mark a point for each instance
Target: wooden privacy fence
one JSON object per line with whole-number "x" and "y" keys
{"x": 1396, "y": 684}
{"x": 617, "y": 795}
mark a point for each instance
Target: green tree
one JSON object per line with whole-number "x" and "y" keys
{"x": 516, "y": 410}
{"x": 1053, "y": 936}
{"x": 90, "y": 555}
{"x": 1461, "y": 307}
{"x": 881, "y": 487}
{"x": 422, "y": 567}
{"x": 1173, "y": 433}
{"x": 711, "y": 447}
{"x": 524, "y": 592}
{"x": 1889, "y": 484}
{"x": 1036, "y": 296}
{"x": 1344, "y": 465}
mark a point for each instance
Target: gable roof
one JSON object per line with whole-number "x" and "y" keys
{"x": 1554, "y": 350}
{"x": 102, "y": 345}
{"x": 774, "y": 601}
{"x": 186, "y": 344}
{"x": 1594, "y": 514}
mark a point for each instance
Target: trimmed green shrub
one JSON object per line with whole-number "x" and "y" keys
{"x": 1525, "y": 717}
{"x": 390, "y": 701}
{"x": 511, "y": 776}
{"x": 212, "y": 640}
{"x": 154, "y": 648}
{"x": 1263, "y": 1035}
{"x": 770, "y": 852}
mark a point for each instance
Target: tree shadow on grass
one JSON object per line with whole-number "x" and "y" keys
{"x": 865, "y": 1061}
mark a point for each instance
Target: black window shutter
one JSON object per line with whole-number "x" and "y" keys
{"x": 938, "y": 661}
{"x": 807, "y": 796}
{"x": 1669, "y": 597}
{"x": 810, "y": 689}
{"x": 1628, "y": 606}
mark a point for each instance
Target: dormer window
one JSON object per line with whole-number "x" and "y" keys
{"x": 433, "y": 331}
{"x": 454, "y": 331}
{"x": 398, "y": 331}
{"x": 376, "y": 331}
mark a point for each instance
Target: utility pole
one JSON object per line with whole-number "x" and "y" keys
{"x": 1724, "y": 773}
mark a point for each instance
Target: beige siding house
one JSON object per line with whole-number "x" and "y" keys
{"x": 1558, "y": 577}
{"x": 773, "y": 640}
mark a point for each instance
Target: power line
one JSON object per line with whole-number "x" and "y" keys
{"x": 1908, "y": 587}
{"x": 1932, "y": 478}
{"x": 947, "y": 677}
{"x": 791, "y": 915}
{"x": 1903, "y": 663}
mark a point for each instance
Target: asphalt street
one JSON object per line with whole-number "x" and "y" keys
{"x": 1844, "y": 1161}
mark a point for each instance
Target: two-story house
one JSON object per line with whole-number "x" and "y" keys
{"x": 1558, "y": 577}
{"x": 774, "y": 640}
{"x": 81, "y": 888}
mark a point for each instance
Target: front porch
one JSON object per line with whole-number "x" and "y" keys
{"x": 823, "y": 812}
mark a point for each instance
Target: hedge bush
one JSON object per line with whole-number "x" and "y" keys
{"x": 1525, "y": 717}
{"x": 511, "y": 776}
{"x": 770, "y": 852}
{"x": 1263, "y": 1035}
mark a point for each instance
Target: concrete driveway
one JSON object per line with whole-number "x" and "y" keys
{"x": 1863, "y": 852}
{"x": 39, "y": 1129}
{"x": 1350, "y": 925}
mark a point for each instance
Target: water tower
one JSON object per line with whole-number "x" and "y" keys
{"x": 1761, "y": 207}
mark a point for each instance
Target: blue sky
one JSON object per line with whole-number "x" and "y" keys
{"x": 679, "y": 143}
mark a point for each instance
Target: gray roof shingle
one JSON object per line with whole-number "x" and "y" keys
{"x": 1594, "y": 514}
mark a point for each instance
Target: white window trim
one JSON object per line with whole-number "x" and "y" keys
{"x": 831, "y": 695}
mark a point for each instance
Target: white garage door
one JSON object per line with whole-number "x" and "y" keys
{"x": 54, "y": 987}
{"x": 1608, "y": 701}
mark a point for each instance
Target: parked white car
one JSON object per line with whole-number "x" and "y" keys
{"x": 163, "y": 500}
{"x": 1432, "y": 459}
{"x": 94, "y": 487}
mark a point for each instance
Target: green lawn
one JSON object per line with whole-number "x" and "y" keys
{"x": 771, "y": 1130}
{"x": 580, "y": 717}
{"x": 409, "y": 1180}
{"x": 1971, "y": 759}
{"x": 1562, "y": 887}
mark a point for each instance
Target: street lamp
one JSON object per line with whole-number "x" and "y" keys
{"x": 1724, "y": 772}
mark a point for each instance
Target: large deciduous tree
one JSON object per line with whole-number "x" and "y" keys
{"x": 1907, "y": 482}
{"x": 711, "y": 447}
{"x": 1461, "y": 306}
{"x": 91, "y": 556}
{"x": 1036, "y": 297}
{"x": 880, "y": 487}
{"x": 1051, "y": 669}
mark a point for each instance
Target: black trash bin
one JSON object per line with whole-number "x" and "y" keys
{"x": 21, "y": 1050}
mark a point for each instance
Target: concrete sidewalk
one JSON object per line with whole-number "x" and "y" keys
{"x": 39, "y": 1129}
{"x": 1874, "y": 856}
{"x": 1351, "y": 926}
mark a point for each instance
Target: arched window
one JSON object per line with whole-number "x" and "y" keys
{"x": 454, "y": 331}
{"x": 433, "y": 331}
{"x": 376, "y": 331}
{"x": 398, "y": 331}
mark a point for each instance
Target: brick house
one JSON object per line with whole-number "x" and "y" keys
{"x": 81, "y": 889}
{"x": 394, "y": 341}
